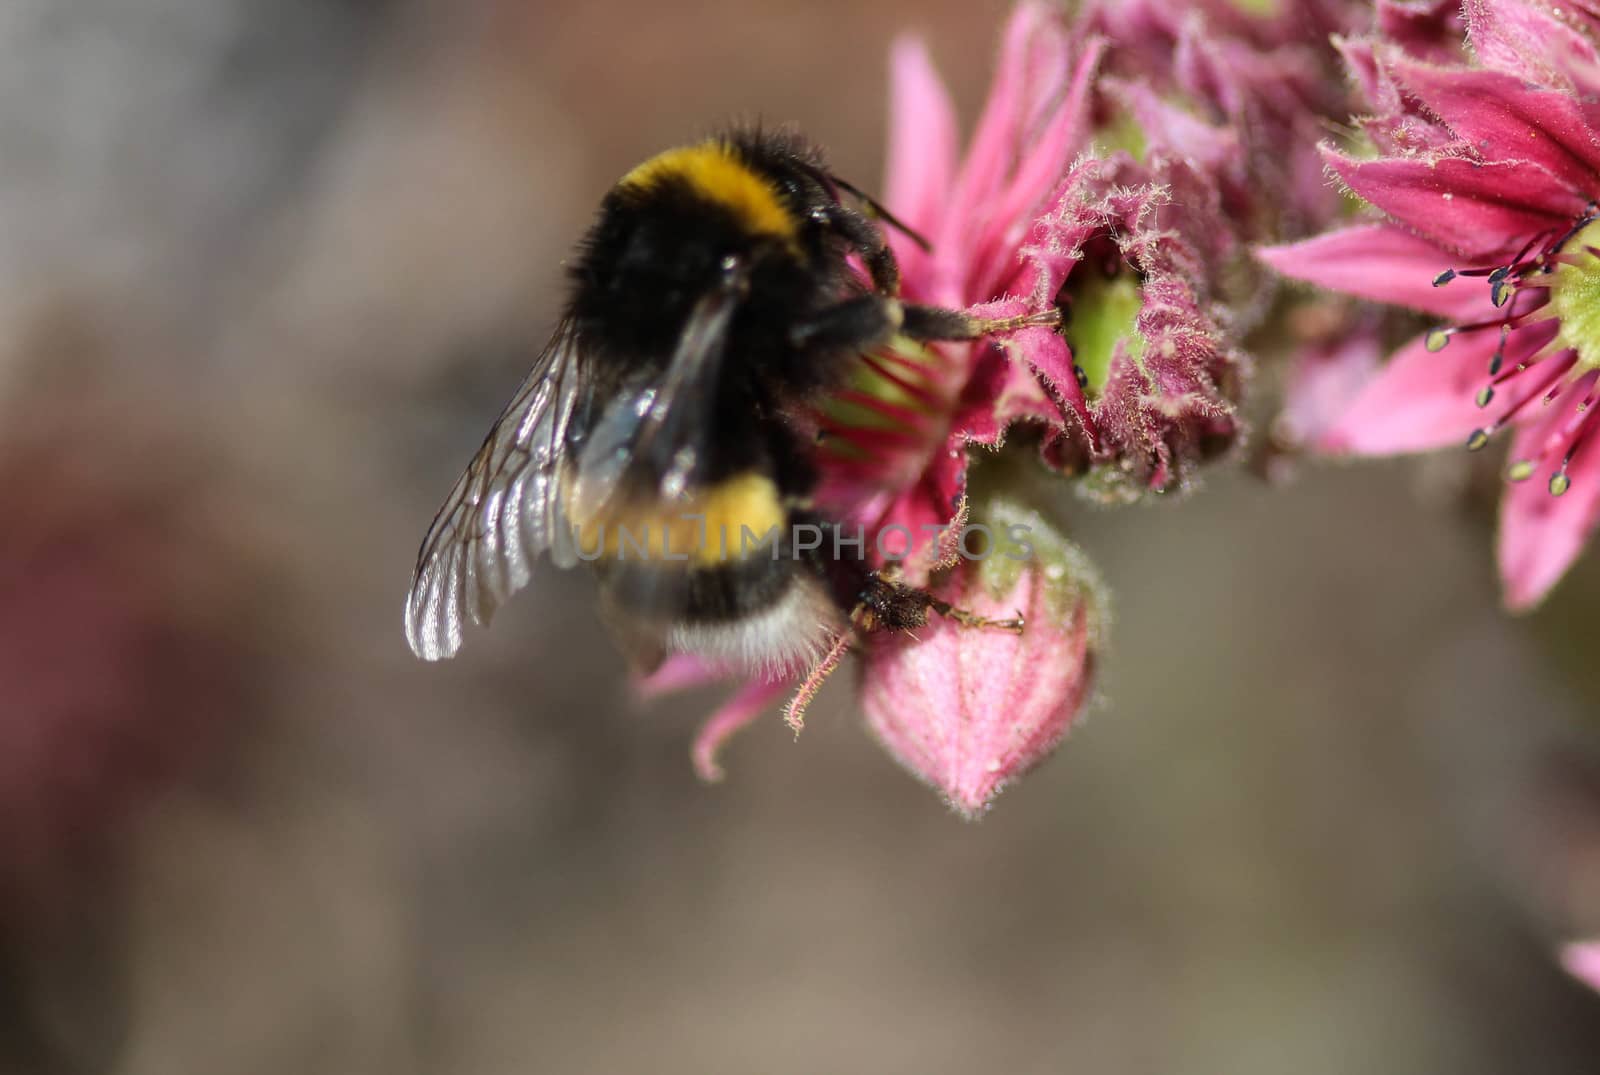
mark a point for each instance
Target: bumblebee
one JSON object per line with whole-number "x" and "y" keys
{"x": 711, "y": 300}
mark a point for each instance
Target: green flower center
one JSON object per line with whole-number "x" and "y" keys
{"x": 1102, "y": 311}
{"x": 1575, "y": 298}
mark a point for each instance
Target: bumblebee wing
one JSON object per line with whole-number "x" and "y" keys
{"x": 503, "y": 511}
{"x": 657, "y": 434}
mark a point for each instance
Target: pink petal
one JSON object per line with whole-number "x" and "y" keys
{"x": 1525, "y": 40}
{"x": 1045, "y": 353}
{"x": 1541, "y": 535}
{"x": 1482, "y": 210}
{"x": 1060, "y": 228}
{"x": 1395, "y": 123}
{"x": 679, "y": 672}
{"x": 1372, "y": 83}
{"x": 922, "y": 152}
{"x": 1175, "y": 129}
{"x": 1198, "y": 66}
{"x": 1038, "y": 175}
{"x": 931, "y": 501}
{"x": 1052, "y": 136}
{"x": 1506, "y": 120}
{"x": 1243, "y": 78}
{"x": 1003, "y": 391}
{"x": 1582, "y": 961}
{"x": 733, "y": 716}
{"x": 1382, "y": 263}
{"x": 1424, "y": 400}
{"x": 1325, "y": 380}
{"x": 1011, "y": 98}
{"x": 1430, "y": 30}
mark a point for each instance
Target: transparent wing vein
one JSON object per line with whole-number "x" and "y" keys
{"x": 503, "y": 511}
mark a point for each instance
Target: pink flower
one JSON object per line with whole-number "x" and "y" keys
{"x": 1159, "y": 376}
{"x": 124, "y": 643}
{"x": 970, "y": 711}
{"x": 1241, "y": 91}
{"x": 1427, "y": 29}
{"x": 1493, "y": 195}
{"x": 1550, "y": 44}
{"x": 1328, "y": 374}
{"x": 1582, "y": 961}
{"x": 896, "y": 443}
{"x": 1139, "y": 385}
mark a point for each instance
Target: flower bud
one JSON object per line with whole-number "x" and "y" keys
{"x": 970, "y": 708}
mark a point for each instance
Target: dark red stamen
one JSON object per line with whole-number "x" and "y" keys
{"x": 1480, "y": 437}
{"x": 1507, "y": 283}
{"x": 920, "y": 392}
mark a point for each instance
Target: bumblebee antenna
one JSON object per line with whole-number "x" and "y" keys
{"x": 874, "y": 208}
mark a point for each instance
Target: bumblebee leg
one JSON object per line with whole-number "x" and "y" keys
{"x": 853, "y": 324}
{"x": 936, "y": 323}
{"x": 876, "y": 599}
{"x": 887, "y": 605}
{"x": 868, "y": 320}
{"x": 969, "y": 619}
{"x": 883, "y": 605}
{"x": 865, "y": 238}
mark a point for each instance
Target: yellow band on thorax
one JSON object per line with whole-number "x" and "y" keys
{"x": 712, "y": 169}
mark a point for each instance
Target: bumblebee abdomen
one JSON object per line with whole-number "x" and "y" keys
{"x": 734, "y": 519}
{"x": 715, "y": 573}
{"x": 718, "y": 553}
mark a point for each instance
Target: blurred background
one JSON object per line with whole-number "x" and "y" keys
{"x": 268, "y": 268}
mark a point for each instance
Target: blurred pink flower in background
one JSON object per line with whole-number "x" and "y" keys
{"x": 1327, "y": 375}
{"x": 1582, "y": 961}
{"x": 125, "y": 624}
{"x": 1494, "y": 181}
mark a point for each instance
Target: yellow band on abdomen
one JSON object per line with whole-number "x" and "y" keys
{"x": 716, "y": 524}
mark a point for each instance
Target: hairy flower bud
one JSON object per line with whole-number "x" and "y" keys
{"x": 968, "y": 711}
